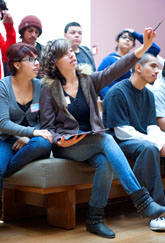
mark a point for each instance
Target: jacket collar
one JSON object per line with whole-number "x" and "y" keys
{"x": 58, "y": 92}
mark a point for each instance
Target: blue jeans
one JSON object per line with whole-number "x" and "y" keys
{"x": 10, "y": 161}
{"x": 146, "y": 167}
{"x": 105, "y": 155}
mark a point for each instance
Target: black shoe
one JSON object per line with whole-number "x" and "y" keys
{"x": 101, "y": 230}
{"x": 94, "y": 223}
{"x": 152, "y": 211}
{"x": 145, "y": 205}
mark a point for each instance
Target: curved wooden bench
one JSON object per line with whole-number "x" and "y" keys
{"x": 54, "y": 187}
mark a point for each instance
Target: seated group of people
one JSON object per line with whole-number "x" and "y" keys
{"x": 36, "y": 119}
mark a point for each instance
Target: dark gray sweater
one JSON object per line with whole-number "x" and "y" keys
{"x": 11, "y": 115}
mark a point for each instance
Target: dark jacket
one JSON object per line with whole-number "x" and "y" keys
{"x": 39, "y": 49}
{"x": 54, "y": 114}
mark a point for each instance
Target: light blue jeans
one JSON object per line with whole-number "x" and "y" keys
{"x": 10, "y": 161}
{"x": 103, "y": 153}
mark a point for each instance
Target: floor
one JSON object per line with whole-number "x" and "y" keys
{"x": 121, "y": 217}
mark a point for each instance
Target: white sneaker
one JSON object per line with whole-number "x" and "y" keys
{"x": 158, "y": 224}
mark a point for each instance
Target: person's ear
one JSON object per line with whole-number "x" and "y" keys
{"x": 65, "y": 35}
{"x": 138, "y": 67}
{"x": 17, "y": 65}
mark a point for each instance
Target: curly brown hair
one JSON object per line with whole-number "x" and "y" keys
{"x": 52, "y": 52}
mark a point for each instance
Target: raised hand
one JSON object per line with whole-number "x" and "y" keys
{"x": 7, "y": 17}
{"x": 148, "y": 37}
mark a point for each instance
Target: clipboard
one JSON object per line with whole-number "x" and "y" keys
{"x": 88, "y": 132}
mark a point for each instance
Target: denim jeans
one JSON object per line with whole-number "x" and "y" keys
{"x": 103, "y": 153}
{"x": 146, "y": 167}
{"x": 10, "y": 161}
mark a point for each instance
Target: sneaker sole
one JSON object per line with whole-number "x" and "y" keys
{"x": 157, "y": 229}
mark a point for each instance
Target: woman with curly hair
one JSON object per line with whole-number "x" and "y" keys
{"x": 69, "y": 107}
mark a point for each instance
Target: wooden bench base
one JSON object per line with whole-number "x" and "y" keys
{"x": 58, "y": 203}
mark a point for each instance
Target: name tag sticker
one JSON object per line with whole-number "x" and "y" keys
{"x": 67, "y": 98}
{"x": 35, "y": 107}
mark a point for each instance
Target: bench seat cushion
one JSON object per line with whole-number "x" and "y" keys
{"x": 52, "y": 172}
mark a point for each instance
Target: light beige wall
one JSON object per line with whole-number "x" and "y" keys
{"x": 54, "y": 15}
{"x": 109, "y": 17}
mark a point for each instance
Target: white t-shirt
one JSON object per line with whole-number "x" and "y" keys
{"x": 158, "y": 90}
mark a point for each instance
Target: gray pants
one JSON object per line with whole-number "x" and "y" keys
{"x": 146, "y": 167}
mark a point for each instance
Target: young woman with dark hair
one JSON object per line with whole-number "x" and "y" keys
{"x": 21, "y": 140}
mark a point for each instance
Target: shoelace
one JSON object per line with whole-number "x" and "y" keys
{"x": 160, "y": 218}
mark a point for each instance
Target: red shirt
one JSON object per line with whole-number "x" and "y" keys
{"x": 10, "y": 39}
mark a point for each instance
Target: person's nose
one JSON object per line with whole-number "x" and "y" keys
{"x": 36, "y": 61}
{"x": 77, "y": 35}
{"x": 127, "y": 39}
{"x": 156, "y": 70}
{"x": 34, "y": 34}
{"x": 71, "y": 54}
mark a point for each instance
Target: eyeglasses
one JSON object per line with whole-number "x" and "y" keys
{"x": 30, "y": 59}
{"x": 127, "y": 37}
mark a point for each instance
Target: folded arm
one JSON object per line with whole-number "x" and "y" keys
{"x": 154, "y": 134}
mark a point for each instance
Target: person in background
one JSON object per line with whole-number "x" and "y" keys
{"x": 21, "y": 140}
{"x": 125, "y": 42}
{"x": 69, "y": 107}
{"x": 129, "y": 111}
{"x": 85, "y": 60}
{"x": 158, "y": 89}
{"x": 10, "y": 38}
{"x": 30, "y": 28}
